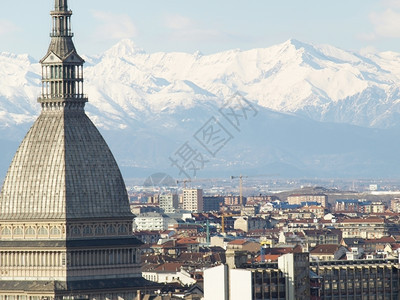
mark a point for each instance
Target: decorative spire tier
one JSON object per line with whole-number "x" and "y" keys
{"x": 62, "y": 67}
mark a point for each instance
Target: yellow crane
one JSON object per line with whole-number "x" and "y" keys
{"x": 223, "y": 216}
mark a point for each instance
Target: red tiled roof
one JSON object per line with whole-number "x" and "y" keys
{"x": 187, "y": 240}
{"x": 385, "y": 239}
{"x": 238, "y": 242}
{"x": 190, "y": 256}
{"x": 168, "y": 267}
{"x": 268, "y": 257}
{"x": 395, "y": 246}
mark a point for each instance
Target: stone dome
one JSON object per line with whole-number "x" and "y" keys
{"x": 63, "y": 169}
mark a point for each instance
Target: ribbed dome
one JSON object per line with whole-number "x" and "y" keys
{"x": 63, "y": 169}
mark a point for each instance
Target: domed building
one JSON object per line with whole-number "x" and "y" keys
{"x": 65, "y": 221}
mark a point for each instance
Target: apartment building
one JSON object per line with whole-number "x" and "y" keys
{"x": 169, "y": 203}
{"x": 193, "y": 200}
{"x": 301, "y": 198}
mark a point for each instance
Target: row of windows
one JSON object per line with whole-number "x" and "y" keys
{"x": 62, "y": 72}
{"x": 74, "y": 231}
{"x": 71, "y": 89}
{"x": 30, "y": 231}
{"x": 356, "y": 272}
{"x": 98, "y": 230}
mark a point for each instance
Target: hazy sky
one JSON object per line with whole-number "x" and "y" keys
{"x": 207, "y": 26}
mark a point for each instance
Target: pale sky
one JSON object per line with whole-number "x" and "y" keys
{"x": 206, "y": 26}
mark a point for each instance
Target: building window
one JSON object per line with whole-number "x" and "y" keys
{"x": 54, "y": 231}
{"x": 99, "y": 230}
{"x": 87, "y": 231}
{"x": 110, "y": 229}
{"x": 43, "y": 231}
{"x": 76, "y": 231}
{"x": 6, "y": 231}
{"x": 122, "y": 229}
{"x": 18, "y": 231}
{"x": 30, "y": 231}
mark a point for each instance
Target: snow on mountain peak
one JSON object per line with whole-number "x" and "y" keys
{"x": 124, "y": 48}
{"x": 296, "y": 44}
{"x": 320, "y": 81}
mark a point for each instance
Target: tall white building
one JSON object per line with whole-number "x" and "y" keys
{"x": 193, "y": 200}
{"x": 151, "y": 221}
{"x": 223, "y": 283}
{"x": 169, "y": 203}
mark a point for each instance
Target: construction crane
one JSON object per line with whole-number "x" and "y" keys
{"x": 240, "y": 187}
{"x": 184, "y": 181}
{"x": 223, "y": 220}
{"x": 241, "y": 183}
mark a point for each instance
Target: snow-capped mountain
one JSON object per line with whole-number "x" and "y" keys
{"x": 321, "y": 82}
{"x": 307, "y": 97}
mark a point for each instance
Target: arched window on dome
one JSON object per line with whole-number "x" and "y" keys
{"x": 99, "y": 230}
{"x": 54, "y": 231}
{"x": 18, "y": 231}
{"x": 43, "y": 231}
{"x": 122, "y": 230}
{"x": 87, "y": 230}
{"x": 76, "y": 231}
{"x": 111, "y": 229}
{"x": 6, "y": 231}
{"x": 30, "y": 231}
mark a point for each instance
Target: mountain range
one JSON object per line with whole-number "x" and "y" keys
{"x": 307, "y": 110}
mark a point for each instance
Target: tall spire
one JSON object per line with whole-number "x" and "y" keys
{"x": 61, "y": 19}
{"x": 62, "y": 67}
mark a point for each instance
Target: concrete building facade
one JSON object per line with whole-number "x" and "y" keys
{"x": 250, "y": 223}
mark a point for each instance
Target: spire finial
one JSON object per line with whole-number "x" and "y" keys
{"x": 61, "y": 5}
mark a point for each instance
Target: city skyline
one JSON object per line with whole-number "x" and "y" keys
{"x": 158, "y": 26}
